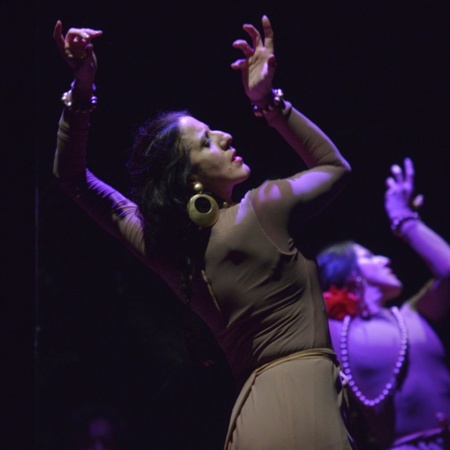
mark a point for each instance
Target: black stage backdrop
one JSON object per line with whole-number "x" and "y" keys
{"x": 374, "y": 75}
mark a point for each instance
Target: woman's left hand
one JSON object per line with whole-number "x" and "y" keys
{"x": 258, "y": 66}
{"x": 77, "y": 50}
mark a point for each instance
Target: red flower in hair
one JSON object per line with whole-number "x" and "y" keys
{"x": 340, "y": 303}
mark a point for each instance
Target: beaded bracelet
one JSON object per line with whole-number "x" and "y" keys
{"x": 68, "y": 103}
{"x": 397, "y": 223}
{"x": 277, "y": 101}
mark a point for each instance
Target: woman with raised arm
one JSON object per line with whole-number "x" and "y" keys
{"x": 233, "y": 263}
{"x": 394, "y": 357}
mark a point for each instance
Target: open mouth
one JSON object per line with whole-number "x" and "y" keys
{"x": 235, "y": 157}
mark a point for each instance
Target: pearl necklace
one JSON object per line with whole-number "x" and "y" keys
{"x": 391, "y": 384}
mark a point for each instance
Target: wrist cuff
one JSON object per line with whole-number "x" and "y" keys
{"x": 277, "y": 101}
{"x": 397, "y": 222}
{"x": 83, "y": 109}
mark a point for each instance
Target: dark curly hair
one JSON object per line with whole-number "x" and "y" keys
{"x": 337, "y": 263}
{"x": 160, "y": 169}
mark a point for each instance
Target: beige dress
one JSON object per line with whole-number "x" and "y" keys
{"x": 263, "y": 305}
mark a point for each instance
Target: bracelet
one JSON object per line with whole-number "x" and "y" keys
{"x": 68, "y": 103}
{"x": 397, "y": 223}
{"x": 277, "y": 101}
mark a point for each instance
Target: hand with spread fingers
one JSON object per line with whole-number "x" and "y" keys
{"x": 404, "y": 337}
{"x": 259, "y": 63}
{"x": 400, "y": 191}
{"x": 77, "y": 50}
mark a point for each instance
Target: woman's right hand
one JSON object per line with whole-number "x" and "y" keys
{"x": 259, "y": 63}
{"x": 78, "y": 52}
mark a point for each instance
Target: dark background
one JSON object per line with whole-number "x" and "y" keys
{"x": 86, "y": 323}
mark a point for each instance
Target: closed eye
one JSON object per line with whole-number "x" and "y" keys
{"x": 205, "y": 140}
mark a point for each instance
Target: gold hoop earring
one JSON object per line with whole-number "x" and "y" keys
{"x": 202, "y": 209}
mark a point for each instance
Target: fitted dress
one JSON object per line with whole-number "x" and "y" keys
{"x": 257, "y": 293}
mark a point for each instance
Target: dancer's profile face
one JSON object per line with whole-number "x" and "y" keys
{"x": 376, "y": 271}
{"x": 214, "y": 161}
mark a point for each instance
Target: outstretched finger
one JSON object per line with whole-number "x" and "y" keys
{"x": 57, "y": 31}
{"x": 390, "y": 183}
{"x": 268, "y": 33}
{"x": 244, "y": 47}
{"x": 82, "y": 35}
{"x": 89, "y": 33}
{"x": 58, "y": 37}
{"x": 397, "y": 173}
{"x": 254, "y": 34}
{"x": 77, "y": 40}
{"x": 239, "y": 64}
{"x": 409, "y": 171}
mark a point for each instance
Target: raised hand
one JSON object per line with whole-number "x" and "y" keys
{"x": 398, "y": 198}
{"x": 258, "y": 66}
{"x": 77, "y": 50}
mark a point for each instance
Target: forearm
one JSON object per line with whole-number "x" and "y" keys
{"x": 431, "y": 247}
{"x": 307, "y": 139}
{"x": 108, "y": 207}
{"x": 306, "y": 192}
{"x": 72, "y": 137}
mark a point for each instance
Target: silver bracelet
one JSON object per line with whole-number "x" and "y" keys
{"x": 397, "y": 223}
{"x": 277, "y": 101}
{"x": 68, "y": 103}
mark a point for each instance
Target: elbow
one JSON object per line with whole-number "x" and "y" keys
{"x": 341, "y": 164}
{"x": 346, "y": 170}
{"x": 444, "y": 272}
{"x": 346, "y": 166}
{"x": 343, "y": 175}
{"x": 441, "y": 270}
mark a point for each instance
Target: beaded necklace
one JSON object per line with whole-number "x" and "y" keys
{"x": 391, "y": 384}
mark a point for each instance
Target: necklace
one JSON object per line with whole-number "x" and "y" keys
{"x": 391, "y": 384}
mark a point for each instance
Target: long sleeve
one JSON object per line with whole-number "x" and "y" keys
{"x": 114, "y": 212}
{"x": 306, "y": 138}
{"x": 307, "y": 191}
